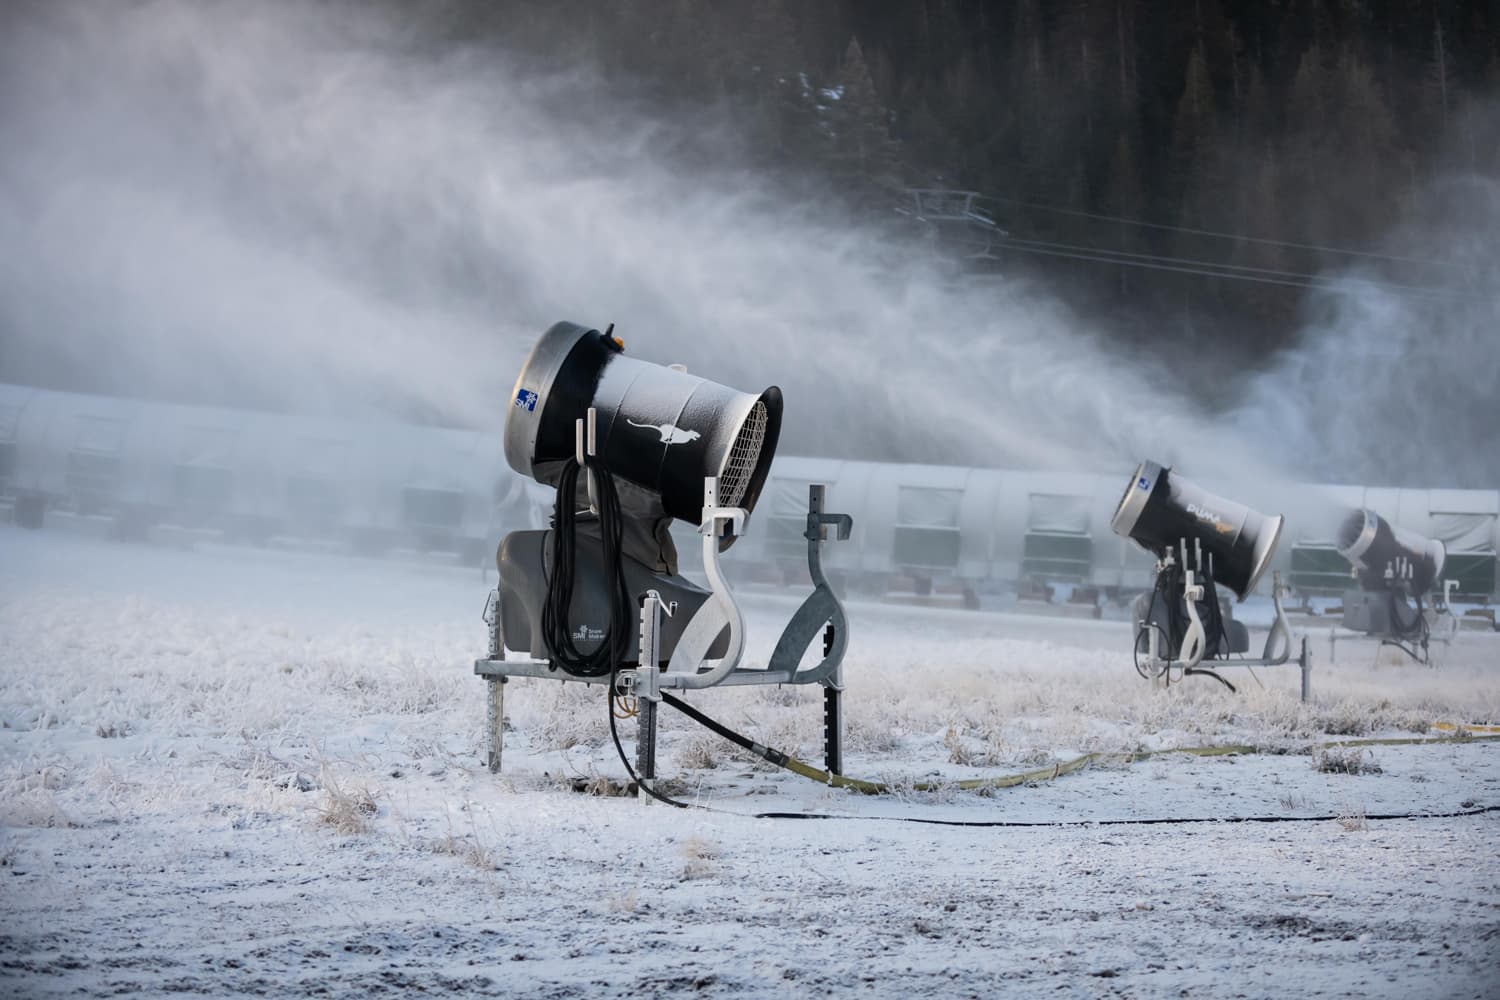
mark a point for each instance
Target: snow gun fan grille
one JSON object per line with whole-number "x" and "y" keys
{"x": 744, "y": 455}
{"x": 1352, "y": 527}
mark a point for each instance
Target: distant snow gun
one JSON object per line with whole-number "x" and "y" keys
{"x": 597, "y": 596}
{"x": 1394, "y": 568}
{"x": 1200, "y": 540}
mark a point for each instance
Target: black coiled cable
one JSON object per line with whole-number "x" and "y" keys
{"x": 1215, "y": 633}
{"x": 1416, "y": 627}
{"x": 1169, "y": 590}
{"x": 1168, "y": 582}
{"x": 1412, "y": 636}
{"x": 614, "y": 648}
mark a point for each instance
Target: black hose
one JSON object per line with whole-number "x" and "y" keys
{"x": 782, "y": 760}
{"x": 1143, "y": 645}
{"x": 1149, "y": 821}
{"x": 614, "y": 733}
{"x": 1168, "y": 591}
{"x": 614, "y": 647}
{"x": 1411, "y": 636}
{"x": 1216, "y": 634}
{"x": 1416, "y": 627}
{"x": 769, "y": 754}
{"x": 1420, "y": 655}
{"x": 1205, "y": 672}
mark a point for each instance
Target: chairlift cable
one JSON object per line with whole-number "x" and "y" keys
{"x": 1238, "y": 237}
{"x": 1205, "y": 269}
{"x": 1198, "y": 262}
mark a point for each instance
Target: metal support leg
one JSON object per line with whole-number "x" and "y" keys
{"x": 1305, "y": 662}
{"x": 833, "y": 728}
{"x": 833, "y": 689}
{"x": 645, "y": 747}
{"x": 495, "y": 722}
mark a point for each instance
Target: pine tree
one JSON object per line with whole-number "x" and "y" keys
{"x": 1365, "y": 147}
{"x": 1305, "y": 143}
{"x": 785, "y": 122}
{"x": 1194, "y": 144}
{"x": 1038, "y": 138}
{"x": 1261, "y": 209}
{"x": 1124, "y": 198}
{"x": 1125, "y": 57}
{"x": 1439, "y": 80}
{"x": 1084, "y": 34}
{"x": 864, "y": 157}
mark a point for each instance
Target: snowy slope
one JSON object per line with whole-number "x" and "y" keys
{"x": 231, "y": 772}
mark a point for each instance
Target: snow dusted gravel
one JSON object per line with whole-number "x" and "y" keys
{"x": 259, "y": 774}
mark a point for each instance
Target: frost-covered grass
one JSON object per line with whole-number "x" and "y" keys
{"x": 173, "y": 726}
{"x": 1346, "y": 760}
{"x": 275, "y": 688}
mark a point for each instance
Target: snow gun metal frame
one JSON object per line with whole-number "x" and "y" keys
{"x": 641, "y": 434}
{"x": 1182, "y": 627}
{"x": 1394, "y": 567}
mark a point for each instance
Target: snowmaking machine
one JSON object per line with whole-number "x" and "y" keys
{"x": 598, "y": 597}
{"x": 1183, "y": 627}
{"x": 1394, "y": 567}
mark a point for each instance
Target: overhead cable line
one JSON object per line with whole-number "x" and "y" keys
{"x": 1209, "y": 269}
{"x": 1231, "y": 270}
{"x": 1239, "y": 237}
{"x": 1185, "y": 261}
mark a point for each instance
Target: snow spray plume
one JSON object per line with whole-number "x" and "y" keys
{"x": 1396, "y": 388}
{"x": 317, "y": 208}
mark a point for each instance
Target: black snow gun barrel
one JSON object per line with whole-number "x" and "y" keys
{"x": 1163, "y": 512}
{"x": 659, "y": 430}
{"x": 1387, "y": 557}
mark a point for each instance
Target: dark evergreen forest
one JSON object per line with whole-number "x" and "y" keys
{"x": 1301, "y": 128}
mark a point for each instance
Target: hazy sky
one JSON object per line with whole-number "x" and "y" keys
{"x": 314, "y": 208}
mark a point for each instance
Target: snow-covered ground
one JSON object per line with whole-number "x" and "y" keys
{"x": 225, "y": 772}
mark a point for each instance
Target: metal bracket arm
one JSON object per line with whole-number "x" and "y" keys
{"x": 1280, "y": 627}
{"x": 1194, "y": 642}
{"x": 585, "y": 443}
{"x": 822, "y": 607}
{"x": 718, "y": 613}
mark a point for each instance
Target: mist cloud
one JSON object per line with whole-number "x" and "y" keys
{"x": 1395, "y": 387}
{"x": 324, "y": 209}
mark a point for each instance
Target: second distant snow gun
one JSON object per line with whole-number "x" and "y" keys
{"x": 1395, "y": 568}
{"x": 1201, "y": 541}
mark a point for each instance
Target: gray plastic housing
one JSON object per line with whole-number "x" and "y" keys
{"x": 1369, "y": 611}
{"x": 524, "y": 562}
